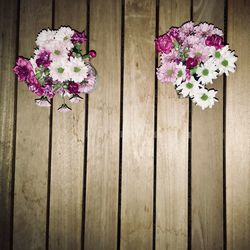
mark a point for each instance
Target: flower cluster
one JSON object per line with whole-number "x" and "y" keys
{"x": 191, "y": 57}
{"x": 58, "y": 66}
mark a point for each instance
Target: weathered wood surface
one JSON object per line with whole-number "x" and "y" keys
{"x": 8, "y": 29}
{"x": 65, "y": 228}
{"x": 138, "y": 126}
{"x": 32, "y": 141}
{"x": 237, "y": 130}
{"x": 172, "y": 140}
{"x": 104, "y": 128}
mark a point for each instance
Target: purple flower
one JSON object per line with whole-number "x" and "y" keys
{"x": 79, "y": 37}
{"x": 43, "y": 59}
{"x": 191, "y": 62}
{"x": 37, "y": 89}
{"x": 48, "y": 91}
{"x": 174, "y": 33}
{"x": 163, "y": 44}
{"x": 23, "y": 69}
{"x": 214, "y": 40}
{"x": 73, "y": 88}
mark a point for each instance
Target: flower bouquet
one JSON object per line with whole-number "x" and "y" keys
{"x": 58, "y": 66}
{"x": 191, "y": 57}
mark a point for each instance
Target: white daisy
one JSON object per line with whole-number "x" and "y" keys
{"x": 77, "y": 69}
{"x": 189, "y": 87}
{"x": 58, "y": 50}
{"x": 59, "y": 70}
{"x": 181, "y": 74}
{"x": 33, "y": 63}
{"x": 45, "y": 37}
{"x": 207, "y": 71}
{"x": 205, "y": 98}
{"x": 225, "y": 60}
{"x": 64, "y": 35}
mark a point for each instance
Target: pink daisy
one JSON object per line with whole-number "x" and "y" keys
{"x": 200, "y": 52}
{"x": 167, "y": 73}
{"x": 204, "y": 29}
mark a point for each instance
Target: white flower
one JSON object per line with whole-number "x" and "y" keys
{"x": 207, "y": 72}
{"x": 181, "y": 73}
{"x": 58, "y": 50}
{"x": 205, "y": 98}
{"x": 64, "y": 108}
{"x": 189, "y": 87}
{"x": 59, "y": 70}
{"x": 225, "y": 60}
{"x": 45, "y": 37}
{"x": 64, "y": 35}
{"x": 43, "y": 102}
{"x": 78, "y": 70}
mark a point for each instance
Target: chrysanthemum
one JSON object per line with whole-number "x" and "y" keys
{"x": 204, "y": 29}
{"x": 207, "y": 72}
{"x": 45, "y": 37}
{"x": 227, "y": 63}
{"x": 64, "y": 35}
{"x": 58, "y": 50}
{"x": 199, "y": 51}
{"x": 77, "y": 69}
{"x": 189, "y": 87}
{"x": 191, "y": 41}
{"x": 167, "y": 73}
{"x": 90, "y": 82}
{"x": 205, "y": 98}
{"x": 170, "y": 57}
{"x": 181, "y": 73}
{"x": 185, "y": 30}
{"x": 59, "y": 70}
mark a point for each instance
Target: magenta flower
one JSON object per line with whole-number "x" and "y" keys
{"x": 92, "y": 53}
{"x": 163, "y": 44}
{"x": 214, "y": 40}
{"x": 191, "y": 62}
{"x": 23, "y": 69}
{"x": 79, "y": 37}
{"x": 43, "y": 59}
{"x": 73, "y": 88}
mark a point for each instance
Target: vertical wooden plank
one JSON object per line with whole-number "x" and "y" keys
{"x": 8, "y": 29}
{"x": 138, "y": 125}
{"x": 32, "y": 141}
{"x": 103, "y": 128}
{"x": 172, "y": 148}
{"x": 237, "y": 129}
{"x": 67, "y": 151}
{"x": 207, "y": 152}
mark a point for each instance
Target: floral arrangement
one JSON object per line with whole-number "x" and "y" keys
{"x": 58, "y": 66}
{"x": 191, "y": 57}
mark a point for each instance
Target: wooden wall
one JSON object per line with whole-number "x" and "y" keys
{"x": 132, "y": 167}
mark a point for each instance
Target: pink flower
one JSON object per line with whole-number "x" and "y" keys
{"x": 167, "y": 73}
{"x": 43, "y": 58}
{"x": 79, "y": 37}
{"x": 43, "y": 102}
{"x": 200, "y": 52}
{"x": 191, "y": 62}
{"x": 172, "y": 56}
{"x": 215, "y": 40}
{"x": 89, "y": 83}
{"x": 23, "y": 69}
{"x": 75, "y": 98}
{"x": 163, "y": 44}
{"x": 186, "y": 29}
{"x": 204, "y": 29}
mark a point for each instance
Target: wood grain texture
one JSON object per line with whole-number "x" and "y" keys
{"x": 207, "y": 152}
{"x": 32, "y": 141}
{"x": 103, "y": 128}
{"x": 67, "y": 151}
{"x": 237, "y": 129}
{"x": 172, "y": 148}
{"x": 138, "y": 126}
{"x": 8, "y": 29}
